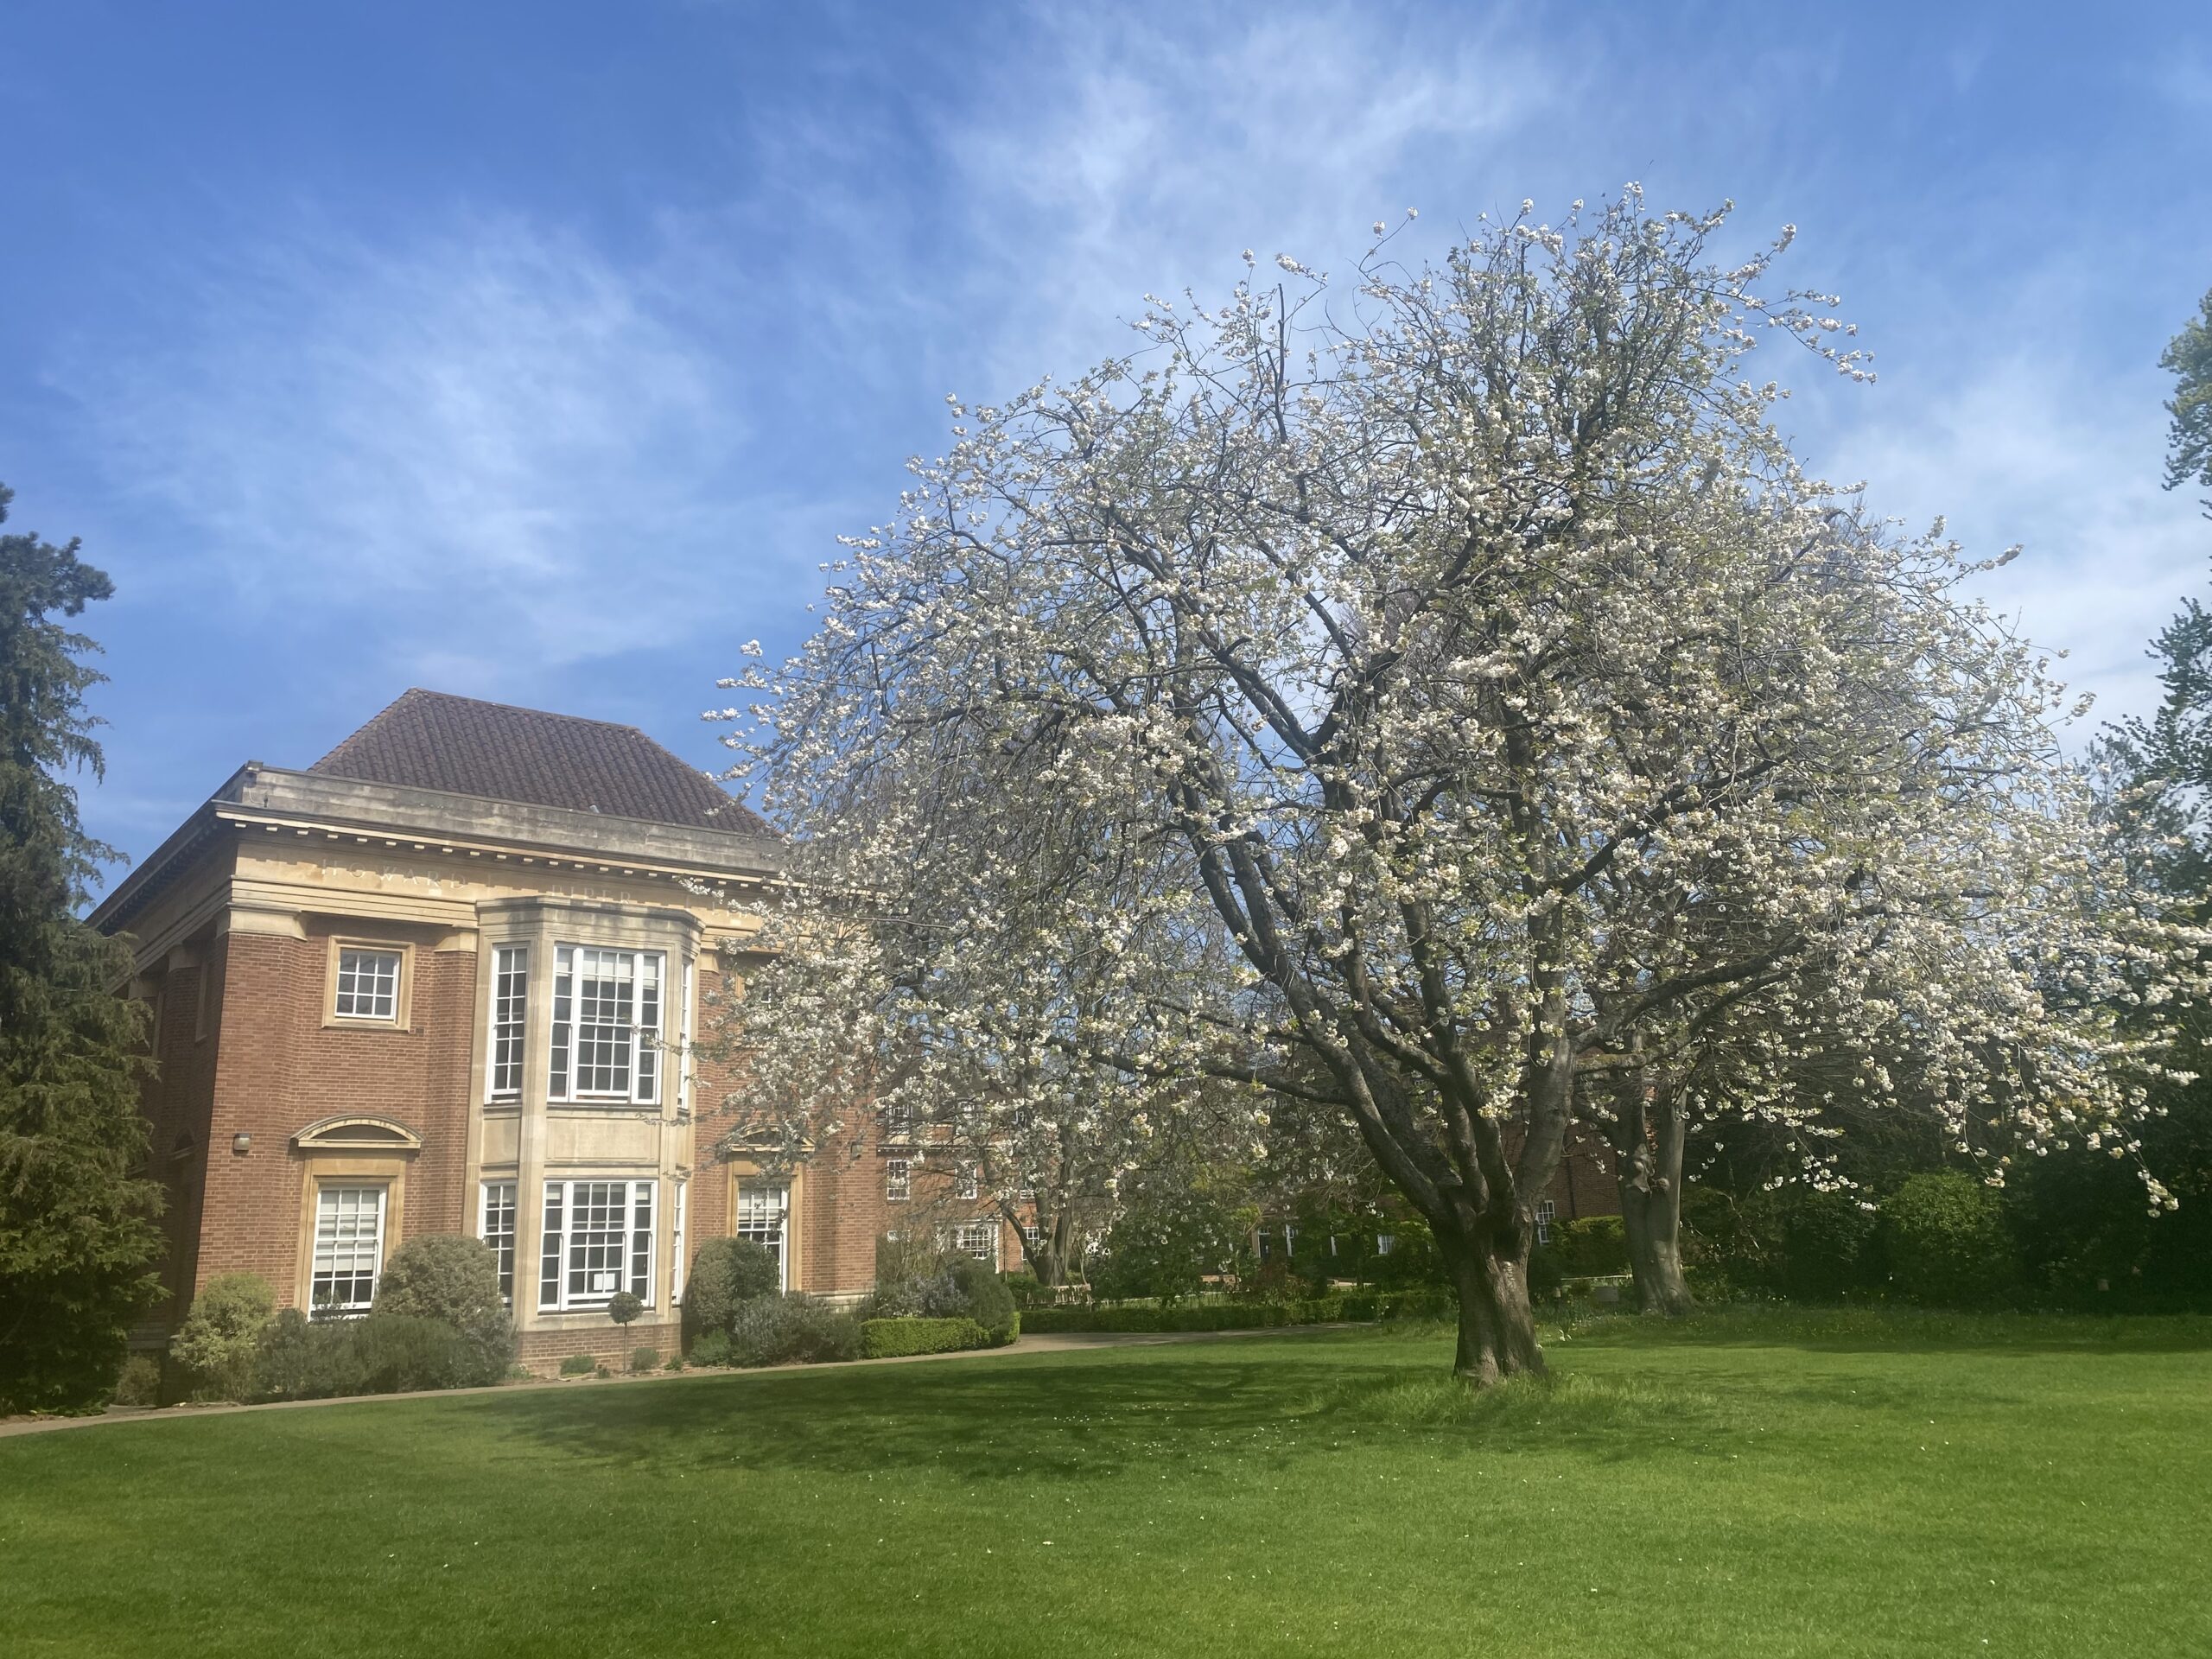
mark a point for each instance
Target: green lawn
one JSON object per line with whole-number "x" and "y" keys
{"x": 1753, "y": 1485}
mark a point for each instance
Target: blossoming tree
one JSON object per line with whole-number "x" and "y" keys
{"x": 1439, "y": 702}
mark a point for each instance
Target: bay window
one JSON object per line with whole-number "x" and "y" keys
{"x": 606, "y": 1025}
{"x": 599, "y": 1239}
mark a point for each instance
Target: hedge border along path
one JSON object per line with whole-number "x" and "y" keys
{"x": 1357, "y": 1308}
{"x": 902, "y": 1339}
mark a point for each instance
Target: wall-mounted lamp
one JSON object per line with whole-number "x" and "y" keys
{"x": 241, "y": 1144}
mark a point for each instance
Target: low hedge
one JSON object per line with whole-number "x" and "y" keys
{"x": 892, "y": 1338}
{"x": 1353, "y": 1307}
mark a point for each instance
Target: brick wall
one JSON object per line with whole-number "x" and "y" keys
{"x": 280, "y": 1068}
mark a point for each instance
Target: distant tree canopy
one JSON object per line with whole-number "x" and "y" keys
{"x": 76, "y": 1238}
{"x": 2189, "y": 443}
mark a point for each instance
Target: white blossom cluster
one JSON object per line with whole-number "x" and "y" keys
{"x": 1428, "y": 699}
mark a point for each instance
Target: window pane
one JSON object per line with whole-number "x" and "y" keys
{"x": 598, "y": 1235}
{"x": 498, "y": 1231}
{"x": 764, "y": 1216}
{"x": 648, "y": 1028}
{"x": 641, "y": 1240}
{"x": 510, "y": 998}
{"x": 894, "y": 1179}
{"x": 368, "y": 984}
{"x": 549, "y": 1254}
{"x": 979, "y": 1239}
{"x": 563, "y": 969}
{"x": 348, "y": 1248}
{"x": 606, "y": 1000}
{"x": 675, "y": 1245}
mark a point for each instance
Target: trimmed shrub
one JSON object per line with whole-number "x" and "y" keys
{"x": 988, "y": 1302}
{"x": 579, "y": 1366}
{"x": 1244, "y": 1315}
{"x": 623, "y": 1306}
{"x": 892, "y": 1338}
{"x": 726, "y": 1273}
{"x": 296, "y": 1359}
{"x": 1590, "y": 1248}
{"x": 644, "y": 1359}
{"x": 1546, "y": 1277}
{"x": 711, "y": 1349}
{"x": 1029, "y": 1290}
{"x": 1413, "y": 1260}
{"x": 454, "y": 1281}
{"x": 1830, "y": 1246}
{"x": 221, "y": 1336}
{"x": 778, "y": 1330}
{"x": 927, "y": 1291}
{"x": 1948, "y": 1244}
{"x": 401, "y": 1352}
{"x": 383, "y": 1353}
{"x": 139, "y": 1382}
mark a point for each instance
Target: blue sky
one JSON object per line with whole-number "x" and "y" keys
{"x": 538, "y": 353}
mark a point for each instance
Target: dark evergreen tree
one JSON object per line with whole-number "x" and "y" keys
{"x": 77, "y": 1239}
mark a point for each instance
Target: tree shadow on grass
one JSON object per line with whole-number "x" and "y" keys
{"x": 1086, "y": 1415}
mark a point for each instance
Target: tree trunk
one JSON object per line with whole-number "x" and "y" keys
{"x": 1651, "y": 1212}
{"x": 1497, "y": 1331}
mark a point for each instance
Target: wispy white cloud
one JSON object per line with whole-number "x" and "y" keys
{"x": 2025, "y": 454}
{"x": 1129, "y": 152}
{"x": 492, "y": 445}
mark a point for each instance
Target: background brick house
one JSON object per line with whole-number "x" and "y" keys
{"x": 447, "y": 979}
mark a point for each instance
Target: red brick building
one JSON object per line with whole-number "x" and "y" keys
{"x": 449, "y": 979}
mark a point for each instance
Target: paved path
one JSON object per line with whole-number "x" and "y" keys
{"x": 1056, "y": 1342}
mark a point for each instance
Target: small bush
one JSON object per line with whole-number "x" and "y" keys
{"x": 139, "y": 1383}
{"x": 778, "y": 1330}
{"x": 1545, "y": 1276}
{"x": 623, "y": 1306}
{"x": 383, "y": 1353}
{"x": 675, "y": 1363}
{"x": 1592, "y": 1247}
{"x": 894, "y": 1338}
{"x": 1029, "y": 1291}
{"x": 988, "y": 1301}
{"x": 711, "y": 1349}
{"x": 644, "y": 1359}
{"x": 221, "y": 1336}
{"x": 726, "y": 1273}
{"x": 579, "y": 1366}
{"x": 454, "y": 1281}
{"x": 930, "y": 1293}
{"x": 1948, "y": 1244}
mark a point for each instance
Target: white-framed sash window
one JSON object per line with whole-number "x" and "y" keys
{"x": 510, "y": 1008}
{"x": 348, "y": 1249}
{"x": 675, "y": 1245}
{"x": 368, "y": 984}
{"x": 763, "y": 1214}
{"x": 607, "y": 1024}
{"x": 598, "y": 1239}
{"x": 496, "y": 1227}
{"x": 978, "y": 1238}
{"x": 898, "y": 1178}
{"x": 1546, "y": 1212}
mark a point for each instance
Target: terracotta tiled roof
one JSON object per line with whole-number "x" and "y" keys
{"x": 428, "y": 740}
